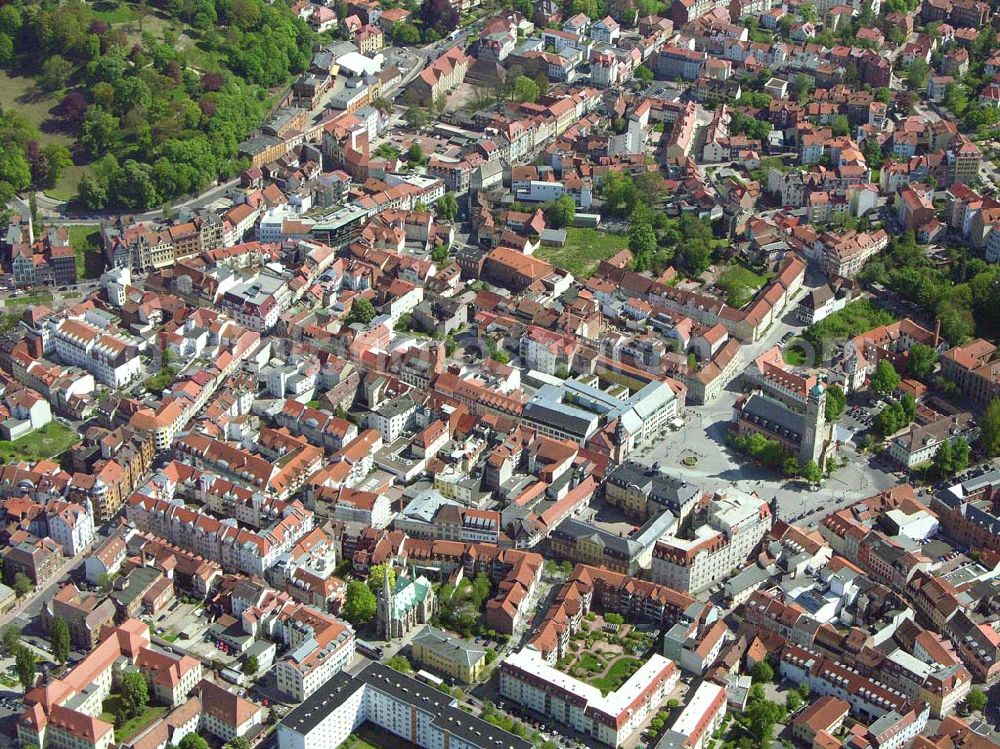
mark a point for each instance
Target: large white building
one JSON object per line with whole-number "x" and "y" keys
{"x": 71, "y": 526}
{"x": 404, "y": 707}
{"x": 700, "y": 717}
{"x": 720, "y": 541}
{"x": 612, "y": 719}
{"x": 112, "y": 359}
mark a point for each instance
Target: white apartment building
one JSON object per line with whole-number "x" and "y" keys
{"x": 112, "y": 359}
{"x": 403, "y": 706}
{"x": 72, "y": 527}
{"x": 733, "y": 527}
{"x": 700, "y": 717}
{"x": 310, "y": 665}
{"x": 393, "y": 417}
{"x": 612, "y": 719}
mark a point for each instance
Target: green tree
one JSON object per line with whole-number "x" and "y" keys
{"x": 439, "y": 254}
{"x": 14, "y": 168}
{"x": 976, "y": 699}
{"x": 921, "y": 361}
{"x": 359, "y": 604}
{"x": 405, "y": 33}
{"x": 400, "y": 663}
{"x": 916, "y": 75}
{"x": 11, "y": 639}
{"x": 91, "y": 193}
{"x": 762, "y": 715}
{"x": 886, "y": 379}
{"x": 59, "y": 639}
{"x": 237, "y": 742}
{"x": 193, "y": 741}
{"x": 952, "y": 457}
{"x": 134, "y": 694}
{"x": 811, "y": 472}
{"x": 415, "y": 117}
{"x": 836, "y": 401}
{"x": 803, "y": 85}
{"x": 6, "y": 49}
{"x": 644, "y": 75}
{"x": 446, "y": 207}
{"x": 840, "y": 125}
{"x": 560, "y": 212}
{"x": 890, "y": 420}
{"x": 101, "y": 132}
{"x": 376, "y": 577}
{"x": 55, "y": 74}
{"x": 642, "y": 244}
{"x": 481, "y": 589}
{"x": 762, "y": 672}
{"x": 251, "y": 665}
{"x": 989, "y": 429}
{"x": 22, "y": 584}
{"x": 26, "y": 666}
{"x": 415, "y": 154}
{"x": 525, "y": 89}
{"x": 793, "y": 701}
{"x": 362, "y": 311}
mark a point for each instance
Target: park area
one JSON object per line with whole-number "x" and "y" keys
{"x": 48, "y": 442}
{"x": 605, "y": 652}
{"x": 20, "y": 93}
{"x": 583, "y": 251}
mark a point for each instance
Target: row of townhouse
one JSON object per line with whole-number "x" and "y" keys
{"x": 157, "y": 508}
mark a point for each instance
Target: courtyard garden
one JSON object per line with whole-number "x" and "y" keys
{"x": 605, "y": 652}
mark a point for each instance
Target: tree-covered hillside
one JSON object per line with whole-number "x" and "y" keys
{"x": 155, "y": 97}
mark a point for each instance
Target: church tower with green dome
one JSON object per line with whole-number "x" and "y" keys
{"x": 814, "y": 440}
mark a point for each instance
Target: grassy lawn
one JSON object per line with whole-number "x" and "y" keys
{"x": 134, "y": 726}
{"x": 89, "y": 258}
{"x": 620, "y": 672}
{"x": 48, "y": 442}
{"x": 369, "y": 737}
{"x": 590, "y": 662}
{"x": 66, "y": 186}
{"x": 356, "y": 742}
{"x": 856, "y": 318}
{"x": 112, "y": 13}
{"x": 794, "y": 355}
{"x": 27, "y": 300}
{"x": 19, "y": 93}
{"x": 8, "y": 320}
{"x": 740, "y": 284}
{"x": 584, "y": 249}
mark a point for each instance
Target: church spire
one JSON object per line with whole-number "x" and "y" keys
{"x": 386, "y": 588}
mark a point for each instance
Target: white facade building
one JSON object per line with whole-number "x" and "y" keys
{"x": 612, "y": 719}
{"x": 393, "y": 702}
{"x": 111, "y": 358}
